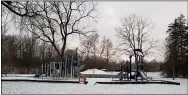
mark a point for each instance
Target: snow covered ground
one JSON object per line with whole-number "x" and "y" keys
{"x": 92, "y": 88}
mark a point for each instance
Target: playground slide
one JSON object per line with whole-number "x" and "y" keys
{"x": 143, "y": 75}
{"x": 56, "y": 73}
{"x": 147, "y": 76}
{"x": 78, "y": 68}
{"x": 118, "y": 75}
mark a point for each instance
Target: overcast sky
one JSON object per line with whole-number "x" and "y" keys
{"x": 160, "y": 13}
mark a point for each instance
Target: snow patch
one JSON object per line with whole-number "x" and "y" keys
{"x": 94, "y": 71}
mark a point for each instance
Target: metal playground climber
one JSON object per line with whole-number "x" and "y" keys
{"x": 69, "y": 68}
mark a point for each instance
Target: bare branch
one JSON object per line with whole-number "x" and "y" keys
{"x": 133, "y": 33}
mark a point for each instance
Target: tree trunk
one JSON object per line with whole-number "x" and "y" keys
{"x": 63, "y": 49}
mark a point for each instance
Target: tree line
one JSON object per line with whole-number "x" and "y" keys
{"x": 22, "y": 53}
{"x": 25, "y": 54}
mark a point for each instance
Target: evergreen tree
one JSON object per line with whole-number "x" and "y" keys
{"x": 176, "y": 57}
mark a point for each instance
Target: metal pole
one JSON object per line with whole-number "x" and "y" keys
{"x": 50, "y": 69}
{"x": 136, "y": 67}
{"x": 73, "y": 71}
{"x": 45, "y": 70}
{"x": 71, "y": 67}
{"x": 68, "y": 68}
{"x": 63, "y": 63}
{"x": 63, "y": 73}
{"x": 65, "y": 67}
{"x": 60, "y": 68}
{"x": 42, "y": 71}
{"x": 76, "y": 61}
{"x": 54, "y": 69}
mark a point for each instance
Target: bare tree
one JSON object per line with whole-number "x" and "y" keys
{"x": 90, "y": 48}
{"x": 99, "y": 53}
{"x": 134, "y": 33}
{"x": 94, "y": 39}
{"x": 86, "y": 48}
{"x": 57, "y": 20}
{"x": 110, "y": 51}
{"x": 102, "y": 47}
{"x": 107, "y": 49}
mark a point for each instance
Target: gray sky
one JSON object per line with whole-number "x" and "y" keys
{"x": 160, "y": 13}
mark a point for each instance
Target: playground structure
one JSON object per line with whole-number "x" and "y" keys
{"x": 59, "y": 72}
{"x": 133, "y": 72}
{"x": 70, "y": 68}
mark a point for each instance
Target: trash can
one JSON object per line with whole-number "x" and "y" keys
{"x": 82, "y": 79}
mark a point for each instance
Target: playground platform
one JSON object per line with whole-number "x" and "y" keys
{"x": 140, "y": 82}
{"x": 43, "y": 80}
